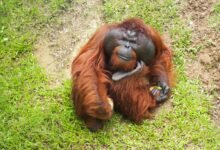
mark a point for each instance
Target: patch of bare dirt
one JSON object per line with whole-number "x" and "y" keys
{"x": 206, "y": 66}
{"x": 60, "y": 41}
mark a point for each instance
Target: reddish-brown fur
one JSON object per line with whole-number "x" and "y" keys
{"x": 92, "y": 84}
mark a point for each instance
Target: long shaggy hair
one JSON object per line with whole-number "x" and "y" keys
{"x": 93, "y": 88}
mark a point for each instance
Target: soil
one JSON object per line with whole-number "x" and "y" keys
{"x": 59, "y": 43}
{"x": 206, "y": 65}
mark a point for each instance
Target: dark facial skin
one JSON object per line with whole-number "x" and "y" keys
{"x": 129, "y": 40}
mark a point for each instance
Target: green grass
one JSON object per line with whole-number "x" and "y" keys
{"x": 34, "y": 116}
{"x": 215, "y": 18}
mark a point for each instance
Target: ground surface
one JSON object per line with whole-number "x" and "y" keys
{"x": 60, "y": 41}
{"x": 205, "y": 39}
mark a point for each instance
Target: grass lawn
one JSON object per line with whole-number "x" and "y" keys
{"x": 35, "y": 116}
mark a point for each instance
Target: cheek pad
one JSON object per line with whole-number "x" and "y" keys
{"x": 145, "y": 50}
{"x": 112, "y": 40}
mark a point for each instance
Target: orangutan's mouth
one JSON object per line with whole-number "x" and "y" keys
{"x": 122, "y": 74}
